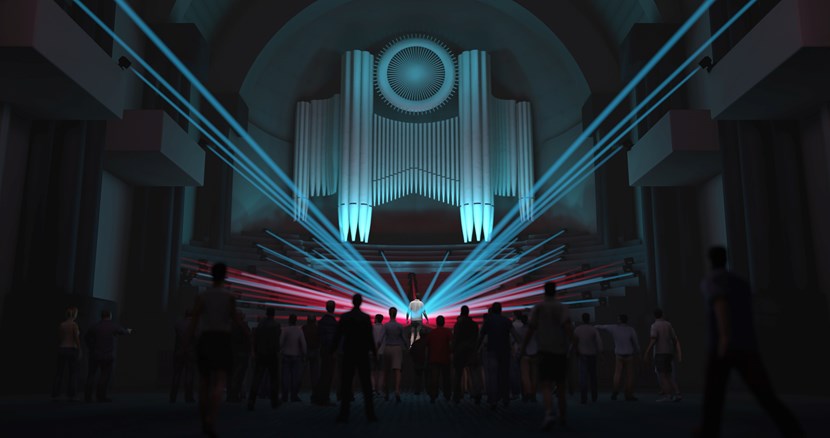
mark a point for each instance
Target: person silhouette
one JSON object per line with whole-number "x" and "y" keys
{"x": 355, "y": 329}
{"x": 732, "y": 343}
{"x": 416, "y": 312}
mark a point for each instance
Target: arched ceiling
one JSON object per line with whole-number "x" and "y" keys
{"x": 277, "y": 52}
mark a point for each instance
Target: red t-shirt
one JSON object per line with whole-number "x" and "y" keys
{"x": 438, "y": 343}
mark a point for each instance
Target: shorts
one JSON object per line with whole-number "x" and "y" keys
{"x": 662, "y": 362}
{"x": 393, "y": 354}
{"x": 214, "y": 352}
{"x": 552, "y": 367}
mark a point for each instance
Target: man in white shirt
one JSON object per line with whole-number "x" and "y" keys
{"x": 588, "y": 345}
{"x": 626, "y": 346}
{"x": 666, "y": 349}
{"x": 294, "y": 348}
{"x": 413, "y": 316}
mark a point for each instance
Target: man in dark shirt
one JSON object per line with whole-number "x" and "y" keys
{"x": 241, "y": 345}
{"x": 326, "y": 331}
{"x": 438, "y": 346}
{"x": 498, "y": 331}
{"x": 464, "y": 336}
{"x": 312, "y": 341}
{"x": 355, "y": 329}
{"x": 184, "y": 360}
{"x": 266, "y": 358}
{"x": 101, "y": 341}
{"x": 733, "y": 344}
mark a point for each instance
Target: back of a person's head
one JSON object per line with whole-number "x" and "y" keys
{"x": 269, "y": 312}
{"x": 219, "y": 272}
{"x": 517, "y": 314}
{"x": 465, "y": 311}
{"x": 292, "y": 319}
{"x": 357, "y": 300}
{"x": 106, "y": 314}
{"x": 378, "y": 318}
{"x": 311, "y": 319}
{"x": 586, "y": 318}
{"x": 497, "y": 308}
{"x": 658, "y": 313}
{"x": 550, "y": 289}
{"x": 440, "y": 320}
{"x": 393, "y": 312}
{"x": 523, "y": 318}
{"x": 71, "y": 312}
{"x": 624, "y": 318}
{"x": 717, "y": 257}
{"x": 330, "y": 306}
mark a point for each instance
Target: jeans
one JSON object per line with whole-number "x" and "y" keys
{"x": 261, "y": 366}
{"x": 67, "y": 360}
{"x": 498, "y": 376}
{"x": 322, "y": 391}
{"x": 292, "y": 374}
{"x": 442, "y": 372}
{"x": 105, "y": 365}
{"x": 588, "y": 374}
{"x": 313, "y": 366}
{"x": 350, "y": 364}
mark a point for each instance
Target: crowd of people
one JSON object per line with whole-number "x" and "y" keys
{"x": 499, "y": 358}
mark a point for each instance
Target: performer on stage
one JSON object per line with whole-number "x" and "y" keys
{"x": 416, "y": 310}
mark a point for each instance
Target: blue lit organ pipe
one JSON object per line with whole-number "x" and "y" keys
{"x": 476, "y": 206}
{"x": 355, "y": 209}
{"x": 524, "y": 153}
{"x": 317, "y": 151}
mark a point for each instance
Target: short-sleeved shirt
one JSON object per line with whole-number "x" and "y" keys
{"x": 738, "y": 295}
{"x": 68, "y": 333}
{"x": 589, "y": 342}
{"x": 498, "y": 330}
{"x": 625, "y": 338}
{"x": 548, "y": 318}
{"x": 663, "y": 332}
{"x": 217, "y": 308}
{"x": 438, "y": 344}
{"x": 393, "y": 334}
{"x": 377, "y": 334}
{"x": 416, "y": 308}
{"x": 267, "y": 338}
{"x": 101, "y": 338}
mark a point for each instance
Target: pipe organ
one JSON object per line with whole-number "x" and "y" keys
{"x": 343, "y": 147}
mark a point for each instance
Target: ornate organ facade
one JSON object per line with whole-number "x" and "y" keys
{"x": 342, "y": 146}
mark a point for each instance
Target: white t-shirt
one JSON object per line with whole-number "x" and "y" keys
{"x": 663, "y": 332}
{"x": 589, "y": 342}
{"x": 416, "y": 307}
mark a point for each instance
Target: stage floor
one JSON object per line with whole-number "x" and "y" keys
{"x": 151, "y": 415}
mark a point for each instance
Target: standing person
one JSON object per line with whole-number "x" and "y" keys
{"x": 355, "y": 329}
{"x": 213, "y": 316}
{"x": 294, "y": 348}
{"x": 626, "y": 347}
{"x": 528, "y": 362}
{"x": 393, "y": 344}
{"x": 420, "y": 367}
{"x": 439, "y": 345}
{"x": 465, "y": 356}
{"x": 732, "y": 343}
{"x": 515, "y": 357}
{"x": 266, "y": 358}
{"x": 588, "y": 344}
{"x": 666, "y": 348}
{"x": 377, "y": 366}
{"x": 498, "y": 331}
{"x": 415, "y": 311}
{"x": 184, "y": 359}
{"x": 312, "y": 342}
{"x": 551, "y": 323}
{"x": 101, "y": 338}
{"x": 69, "y": 352}
{"x": 326, "y": 329}
{"x": 241, "y": 343}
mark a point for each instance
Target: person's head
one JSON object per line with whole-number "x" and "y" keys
{"x": 440, "y": 320}
{"x": 330, "y": 306}
{"x": 378, "y": 318}
{"x": 219, "y": 271}
{"x": 71, "y": 312}
{"x": 496, "y": 308}
{"x": 292, "y": 319}
{"x": 586, "y": 318}
{"x": 269, "y": 312}
{"x": 393, "y": 313}
{"x": 658, "y": 313}
{"x": 523, "y": 318}
{"x": 465, "y": 311}
{"x": 550, "y": 289}
{"x": 717, "y": 257}
{"x": 357, "y": 300}
{"x": 623, "y": 318}
{"x": 106, "y": 314}
{"x": 311, "y": 319}
{"x": 517, "y": 315}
